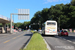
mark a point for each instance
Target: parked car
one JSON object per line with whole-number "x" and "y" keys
{"x": 63, "y": 33}
{"x": 39, "y": 30}
{"x": 35, "y": 30}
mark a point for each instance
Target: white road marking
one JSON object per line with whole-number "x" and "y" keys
{"x": 73, "y": 42}
{"x": 66, "y": 39}
{"x": 6, "y": 41}
{"x": 69, "y": 41}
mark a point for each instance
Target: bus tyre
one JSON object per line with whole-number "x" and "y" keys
{"x": 44, "y": 32}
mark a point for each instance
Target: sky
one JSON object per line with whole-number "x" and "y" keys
{"x": 11, "y": 6}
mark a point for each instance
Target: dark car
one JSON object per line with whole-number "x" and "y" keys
{"x": 63, "y": 33}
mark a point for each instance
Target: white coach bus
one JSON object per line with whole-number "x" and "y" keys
{"x": 50, "y": 28}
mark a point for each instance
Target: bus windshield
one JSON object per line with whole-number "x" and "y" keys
{"x": 51, "y": 23}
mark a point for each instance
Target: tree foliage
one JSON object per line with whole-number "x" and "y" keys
{"x": 73, "y": 2}
{"x": 63, "y": 14}
{"x": 22, "y": 25}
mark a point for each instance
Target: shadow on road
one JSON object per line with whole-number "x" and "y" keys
{"x": 47, "y": 35}
{"x": 26, "y": 41}
{"x": 28, "y": 35}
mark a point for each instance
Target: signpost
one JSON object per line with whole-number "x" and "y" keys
{"x": 23, "y": 14}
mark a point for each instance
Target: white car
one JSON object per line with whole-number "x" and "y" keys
{"x": 39, "y": 30}
{"x": 35, "y": 30}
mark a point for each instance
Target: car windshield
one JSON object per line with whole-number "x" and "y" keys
{"x": 65, "y": 31}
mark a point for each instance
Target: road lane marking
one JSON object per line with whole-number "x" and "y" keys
{"x": 66, "y": 40}
{"x": 18, "y": 36}
{"x": 5, "y": 36}
{"x": 69, "y": 41}
{"x": 73, "y": 42}
{"x": 14, "y": 38}
{"x": 6, "y": 41}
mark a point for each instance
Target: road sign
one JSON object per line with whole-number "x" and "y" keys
{"x": 23, "y": 14}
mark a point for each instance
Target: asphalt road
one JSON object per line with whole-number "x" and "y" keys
{"x": 14, "y": 41}
{"x": 61, "y": 42}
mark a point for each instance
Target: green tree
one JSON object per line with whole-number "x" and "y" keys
{"x": 36, "y": 17}
{"x": 26, "y": 24}
{"x": 63, "y": 14}
{"x": 72, "y": 16}
{"x": 44, "y": 15}
{"x": 73, "y": 2}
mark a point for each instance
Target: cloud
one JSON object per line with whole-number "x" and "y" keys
{"x": 48, "y": 1}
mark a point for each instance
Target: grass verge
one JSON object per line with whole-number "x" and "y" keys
{"x": 36, "y": 42}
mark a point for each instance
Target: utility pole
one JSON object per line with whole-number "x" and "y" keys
{"x": 11, "y": 24}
